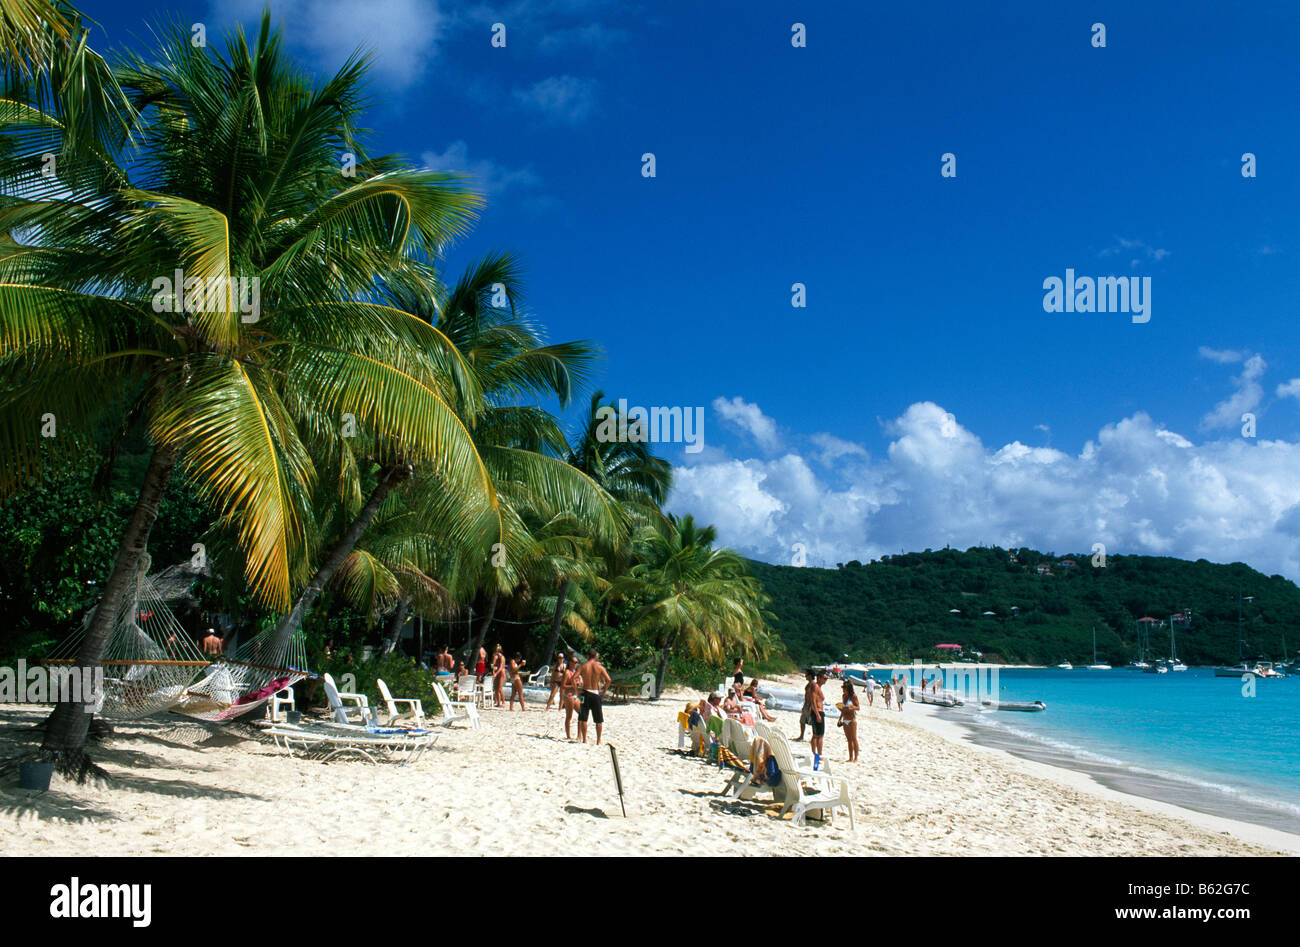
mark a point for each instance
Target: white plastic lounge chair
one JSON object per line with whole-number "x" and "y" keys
{"x": 827, "y": 792}
{"x": 358, "y": 703}
{"x": 453, "y": 710}
{"x": 801, "y": 753}
{"x": 541, "y": 677}
{"x": 342, "y": 711}
{"x": 416, "y": 711}
{"x": 282, "y": 698}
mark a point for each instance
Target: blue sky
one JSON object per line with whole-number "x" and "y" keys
{"x": 923, "y": 396}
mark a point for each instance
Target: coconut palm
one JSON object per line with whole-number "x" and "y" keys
{"x": 696, "y": 596}
{"x": 626, "y": 470}
{"x": 226, "y": 174}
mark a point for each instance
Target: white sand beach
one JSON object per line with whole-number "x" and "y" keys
{"x": 517, "y": 787}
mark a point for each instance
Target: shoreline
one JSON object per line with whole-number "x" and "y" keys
{"x": 932, "y": 720}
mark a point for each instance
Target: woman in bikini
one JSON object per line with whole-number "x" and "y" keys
{"x": 516, "y": 682}
{"x": 498, "y": 678}
{"x": 557, "y": 679}
{"x": 848, "y": 709}
{"x": 569, "y": 696}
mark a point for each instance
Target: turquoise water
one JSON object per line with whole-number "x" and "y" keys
{"x": 1185, "y": 737}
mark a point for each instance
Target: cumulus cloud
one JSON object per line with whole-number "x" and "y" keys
{"x": 1137, "y": 487}
{"x": 1289, "y": 389}
{"x": 565, "y": 100}
{"x": 750, "y": 420}
{"x": 491, "y": 178}
{"x": 1249, "y": 392}
{"x": 402, "y": 34}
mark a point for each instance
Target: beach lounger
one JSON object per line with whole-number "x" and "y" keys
{"x": 350, "y": 702}
{"x": 341, "y": 710}
{"x": 541, "y": 677}
{"x": 454, "y": 710}
{"x": 824, "y": 792}
{"x": 327, "y": 741}
{"x": 416, "y": 711}
{"x": 800, "y": 753}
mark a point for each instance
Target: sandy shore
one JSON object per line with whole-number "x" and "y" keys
{"x": 517, "y": 787}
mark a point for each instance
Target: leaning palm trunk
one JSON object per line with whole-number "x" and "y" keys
{"x": 68, "y": 726}
{"x": 394, "y": 629}
{"x": 555, "y": 624}
{"x": 483, "y": 630}
{"x": 389, "y": 479}
{"x": 664, "y": 654}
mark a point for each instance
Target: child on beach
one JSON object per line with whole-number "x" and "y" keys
{"x": 848, "y": 709}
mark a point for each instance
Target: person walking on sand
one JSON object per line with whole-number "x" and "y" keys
{"x": 807, "y": 701}
{"x": 886, "y": 691}
{"x": 594, "y": 681}
{"x": 817, "y": 718}
{"x": 480, "y": 666}
{"x": 498, "y": 678}
{"x": 849, "y": 708}
{"x": 902, "y": 692}
{"x": 212, "y": 644}
{"x": 871, "y": 690}
{"x": 516, "y": 682}
{"x": 557, "y": 680}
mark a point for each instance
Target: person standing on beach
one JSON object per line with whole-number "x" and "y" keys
{"x": 594, "y": 681}
{"x": 848, "y": 708}
{"x": 480, "y": 666}
{"x": 557, "y": 680}
{"x": 817, "y": 717}
{"x": 498, "y": 678}
{"x": 807, "y": 702}
{"x": 570, "y": 684}
{"x": 871, "y": 691}
{"x": 738, "y": 676}
{"x": 887, "y": 692}
{"x": 516, "y": 682}
{"x": 902, "y": 692}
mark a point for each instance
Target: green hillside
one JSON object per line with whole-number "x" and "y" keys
{"x": 898, "y": 608}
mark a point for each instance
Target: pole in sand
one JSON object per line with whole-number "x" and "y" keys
{"x": 618, "y": 779}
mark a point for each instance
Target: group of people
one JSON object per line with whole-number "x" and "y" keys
{"x": 581, "y": 687}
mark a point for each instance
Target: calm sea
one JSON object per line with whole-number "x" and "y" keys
{"x": 1185, "y": 737}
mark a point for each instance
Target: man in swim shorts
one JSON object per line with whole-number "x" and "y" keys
{"x": 817, "y": 715}
{"x": 594, "y": 681}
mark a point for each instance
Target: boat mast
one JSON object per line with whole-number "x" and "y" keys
{"x": 1240, "y": 658}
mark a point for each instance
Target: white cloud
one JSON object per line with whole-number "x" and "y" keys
{"x": 1249, "y": 392}
{"x": 491, "y": 178}
{"x": 1290, "y": 389}
{"x": 1222, "y": 356}
{"x": 749, "y": 419}
{"x": 402, "y": 34}
{"x": 1139, "y": 251}
{"x": 1137, "y": 487}
{"x": 566, "y": 100}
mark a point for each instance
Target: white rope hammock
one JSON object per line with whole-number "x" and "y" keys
{"x": 149, "y": 659}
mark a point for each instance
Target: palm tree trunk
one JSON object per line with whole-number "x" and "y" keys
{"x": 67, "y": 727}
{"x": 342, "y": 549}
{"x": 664, "y": 654}
{"x": 483, "y": 630}
{"x": 555, "y": 625}
{"x": 394, "y": 629}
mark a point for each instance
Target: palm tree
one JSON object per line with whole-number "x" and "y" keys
{"x": 695, "y": 596}
{"x": 628, "y": 472}
{"x": 225, "y": 174}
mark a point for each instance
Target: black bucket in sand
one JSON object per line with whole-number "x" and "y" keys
{"x": 35, "y": 775}
{"x": 294, "y": 716}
